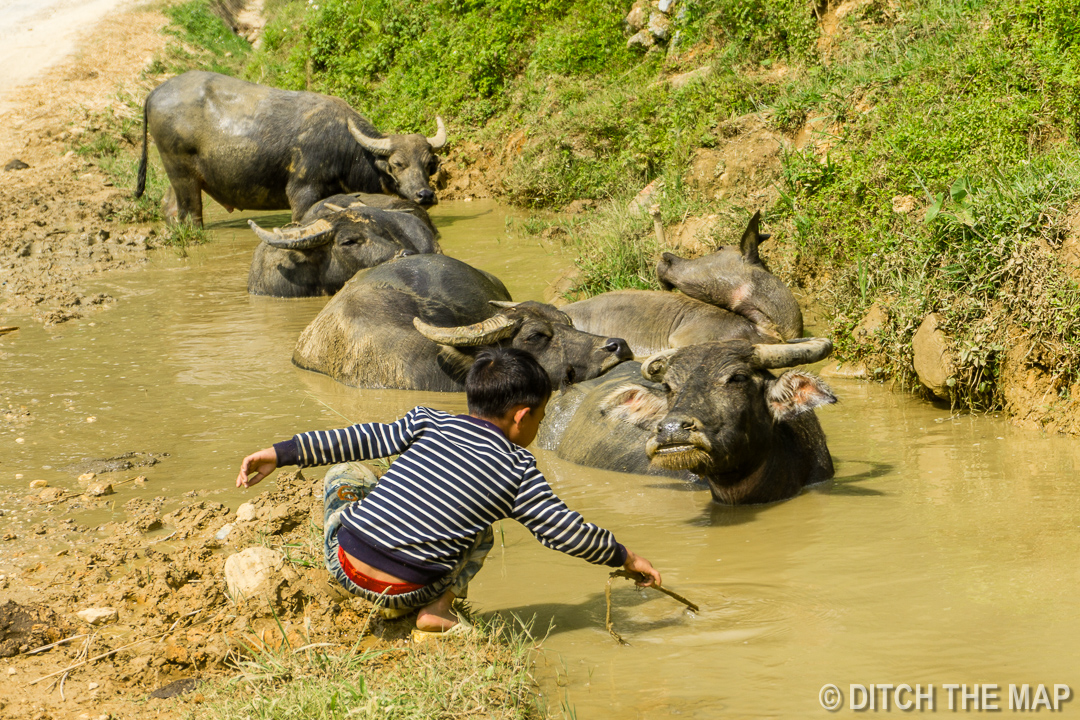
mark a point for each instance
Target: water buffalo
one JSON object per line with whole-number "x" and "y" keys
{"x": 416, "y": 323}
{"x": 253, "y": 147}
{"x": 651, "y": 321}
{"x": 337, "y": 237}
{"x": 710, "y": 412}
{"x": 737, "y": 279}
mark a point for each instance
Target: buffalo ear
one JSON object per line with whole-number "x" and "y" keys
{"x": 750, "y": 239}
{"x": 796, "y": 392}
{"x": 382, "y": 165}
{"x": 655, "y": 366}
{"x": 634, "y": 404}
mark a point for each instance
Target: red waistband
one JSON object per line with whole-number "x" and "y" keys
{"x": 375, "y": 586}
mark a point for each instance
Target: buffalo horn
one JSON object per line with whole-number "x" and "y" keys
{"x": 505, "y": 304}
{"x": 795, "y": 352}
{"x": 440, "y": 135}
{"x": 379, "y": 146}
{"x": 655, "y": 365}
{"x": 492, "y": 330}
{"x": 307, "y": 237}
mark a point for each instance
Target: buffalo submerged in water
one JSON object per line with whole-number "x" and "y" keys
{"x": 252, "y": 147}
{"x": 711, "y": 412}
{"x": 336, "y": 238}
{"x": 726, "y": 294}
{"x": 417, "y": 323}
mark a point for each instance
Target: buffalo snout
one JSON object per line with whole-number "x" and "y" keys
{"x": 425, "y": 197}
{"x": 619, "y": 347}
{"x": 676, "y": 429}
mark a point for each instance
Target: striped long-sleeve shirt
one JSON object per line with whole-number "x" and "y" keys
{"x": 455, "y": 476}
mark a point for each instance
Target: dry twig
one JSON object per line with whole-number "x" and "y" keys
{"x": 636, "y": 577}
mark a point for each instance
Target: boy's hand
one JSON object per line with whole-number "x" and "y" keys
{"x": 261, "y": 463}
{"x": 636, "y": 563}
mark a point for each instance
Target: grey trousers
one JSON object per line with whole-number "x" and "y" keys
{"x": 351, "y": 482}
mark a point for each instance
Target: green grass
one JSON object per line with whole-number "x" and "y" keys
{"x": 969, "y": 106}
{"x": 201, "y": 40}
{"x": 486, "y": 675}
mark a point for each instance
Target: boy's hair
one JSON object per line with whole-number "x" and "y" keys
{"x": 503, "y": 378}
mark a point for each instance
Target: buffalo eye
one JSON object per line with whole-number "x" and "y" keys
{"x": 537, "y": 337}
{"x": 738, "y": 378}
{"x": 348, "y": 241}
{"x": 666, "y": 387}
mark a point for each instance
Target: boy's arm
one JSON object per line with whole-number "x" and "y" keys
{"x": 356, "y": 442}
{"x": 323, "y": 447}
{"x": 538, "y": 508}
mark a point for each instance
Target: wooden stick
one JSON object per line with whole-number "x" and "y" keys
{"x": 7, "y": 329}
{"x": 636, "y": 577}
{"x": 58, "y": 642}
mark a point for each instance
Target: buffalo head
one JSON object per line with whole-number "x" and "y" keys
{"x": 713, "y": 409}
{"x": 334, "y": 243}
{"x": 405, "y": 161}
{"x": 735, "y": 278}
{"x": 568, "y": 355}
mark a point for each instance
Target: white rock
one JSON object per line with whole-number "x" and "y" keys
{"x": 98, "y": 616}
{"x": 39, "y": 483}
{"x": 246, "y": 512}
{"x": 99, "y": 489}
{"x": 665, "y": 5}
{"x": 248, "y": 570}
{"x": 87, "y": 478}
{"x": 224, "y": 531}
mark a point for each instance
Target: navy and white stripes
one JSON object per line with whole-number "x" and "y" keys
{"x": 455, "y": 477}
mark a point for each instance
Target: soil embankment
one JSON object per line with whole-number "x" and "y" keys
{"x": 60, "y": 216}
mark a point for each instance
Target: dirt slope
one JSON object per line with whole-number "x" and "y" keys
{"x": 54, "y": 226}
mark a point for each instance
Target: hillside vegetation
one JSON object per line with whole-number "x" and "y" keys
{"x": 910, "y": 157}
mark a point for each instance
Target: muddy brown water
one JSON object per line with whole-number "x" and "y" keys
{"x": 945, "y": 551}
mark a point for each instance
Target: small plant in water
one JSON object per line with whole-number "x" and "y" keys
{"x": 181, "y": 235}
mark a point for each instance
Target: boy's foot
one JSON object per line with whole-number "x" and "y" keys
{"x": 462, "y": 628}
{"x": 441, "y": 615}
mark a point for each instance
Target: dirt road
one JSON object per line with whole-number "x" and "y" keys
{"x": 36, "y": 34}
{"x": 58, "y": 212}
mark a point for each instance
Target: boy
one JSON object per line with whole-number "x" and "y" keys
{"x": 423, "y": 531}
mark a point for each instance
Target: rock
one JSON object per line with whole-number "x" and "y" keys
{"x": 683, "y": 79}
{"x": 664, "y": 6}
{"x": 87, "y": 478}
{"x": 38, "y": 484}
{"x": 903, "y": 204}
{"x": 642, "y": 40}
{"x": 249, "y": 570}
{"x": 246, "y": 512}
{"x": 660, "y": 26}
{"x": 648, "y": 197}
{"x": 98, "y": 616}
{"x": 99, "y": 489}
{"x": 177, "y": 687}
{"x": 15, "y": 164}
{"x": 935, "y": 363}
{"x": 638, "y": 16}
{"x": 223, "y": 532}
{"x": 871, "y": 324}
{"x": 50, "y": 494}
{"x": 140, "y": 480}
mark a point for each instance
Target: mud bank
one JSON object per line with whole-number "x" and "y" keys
{"x": 158, "y": 582}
